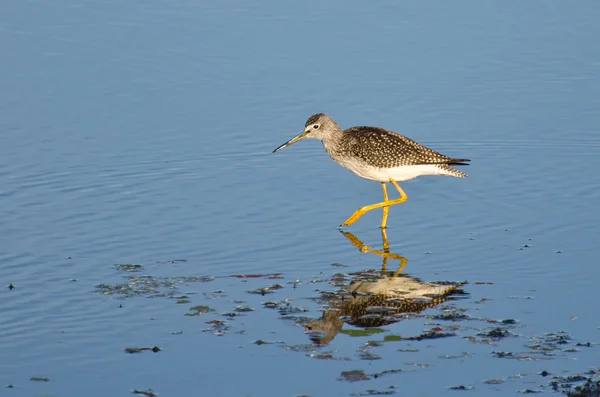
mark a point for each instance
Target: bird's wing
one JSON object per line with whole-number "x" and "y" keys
{"x": 386, "y": 148}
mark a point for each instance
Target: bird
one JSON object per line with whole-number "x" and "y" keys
{"x": 377, "y": 154}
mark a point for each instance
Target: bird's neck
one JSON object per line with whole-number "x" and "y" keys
{"x": 332, "y": 142}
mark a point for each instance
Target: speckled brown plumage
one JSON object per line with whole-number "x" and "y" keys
{"x": 363, "y": 146}
{"x": 382, "y": 148}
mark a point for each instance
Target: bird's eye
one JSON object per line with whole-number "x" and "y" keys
{"x": 316, "y": 126}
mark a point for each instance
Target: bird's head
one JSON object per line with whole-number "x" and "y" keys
{"x": 318, "y": 126}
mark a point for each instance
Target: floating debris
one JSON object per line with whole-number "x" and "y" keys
{"x": 374, "y": 392}
{"x": 266, "y": 290}
{"x": 354, "y": 376}
{"x": 478, "y": 340}
{"x": 393, "y": 338}
{"x": 391, "y": 371}
{"x": 420, "y": 365}
{"x": 454, "y": 314}
{"x": 217, "y": 327}
{"x": 520, "y": 356}
{"x": 549, "y": 342}
{"x": 367, "y": 355}
{"x": 199, "y": 310}
{"x": 578, "y": 385}
{"x": 329, "y": 355}
{"x": 456, "y": 357}
{"x": 429, "y": 335}
{"x": 496, "y": 333}
{"x": 132, "y": 350}
{"x": 322, "y": 356}
{"x": 147, "y": 393}
{"x": 148, "y": 286}
{"x": 268, "y": 276}
{"x": 301, "y": 348}
{"x": 461, "y": 387}
{"x": 362, "y": 332}
{"x": 129, "y": 267}
{"x": 39, "y": 379}
{"x": 243, "y": 309}
{"x": 494, "y": 381}
{"x": 591, "y": 388}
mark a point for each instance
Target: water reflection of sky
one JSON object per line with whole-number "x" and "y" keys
{"x": 138, "y": 133}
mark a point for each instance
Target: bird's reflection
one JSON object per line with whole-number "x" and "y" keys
{"x": 374, "y": 299}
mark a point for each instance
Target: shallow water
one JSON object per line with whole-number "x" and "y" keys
{"x": 142, "y": 134}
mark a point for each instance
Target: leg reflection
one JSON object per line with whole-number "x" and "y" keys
{"x": 384, "y": 252}
{"x": 376, "y": 298}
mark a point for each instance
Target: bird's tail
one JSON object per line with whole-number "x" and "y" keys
{"x": 458, "y": 162}
{"x": 453, "y": 171}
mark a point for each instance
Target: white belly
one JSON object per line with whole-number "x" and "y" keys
{"x": 402, "y": 173}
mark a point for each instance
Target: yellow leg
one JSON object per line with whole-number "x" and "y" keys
{"x": 386, "y": 208}
{"x": 362, "y": 210}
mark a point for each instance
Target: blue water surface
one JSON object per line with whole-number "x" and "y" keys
{"x": 142, "y": 132}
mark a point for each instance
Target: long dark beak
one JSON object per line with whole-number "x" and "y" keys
{"x": 298, "y": 137}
